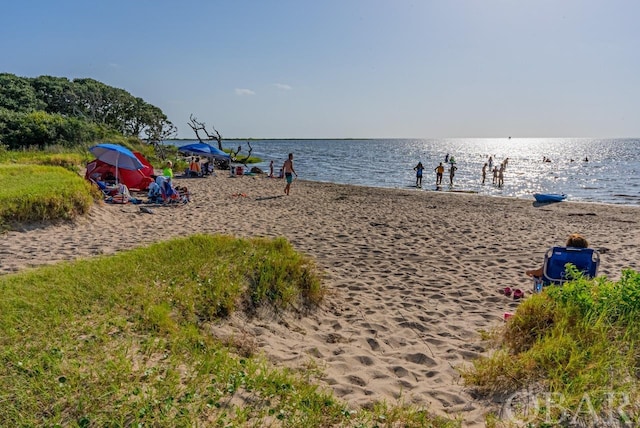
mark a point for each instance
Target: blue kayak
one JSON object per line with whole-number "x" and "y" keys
{"x": 550, "y": 197}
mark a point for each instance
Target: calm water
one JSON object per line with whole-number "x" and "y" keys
{"x": 611, "y": 175}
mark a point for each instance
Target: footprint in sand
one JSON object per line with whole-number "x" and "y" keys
{"x": 365, "y": 360}
{"x": 399, "y": 371}
{"x": 356, "y": 380}
{"x": 334, "y": 338}
{"x": 422, "y": 359}
{"x": 373, "y": 343}
{"x": 432, "y": 373}
{"x": 406, "y": 384}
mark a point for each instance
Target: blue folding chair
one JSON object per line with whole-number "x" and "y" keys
{"x": 106, "y": 191}
{"x": 586, "y": 260}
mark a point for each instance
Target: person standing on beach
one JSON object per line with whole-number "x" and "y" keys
{"x": 501, "y": 175}
{"x": 271, "y": 169}
{"x": 439, "y": 171}
{"x": 418, "y": 169}
{"x": 167, "y": 171}
{"x": 288, "y": 170}
{"x": 484, "y": 172}
{"x": 495, "y": 175}
{"x": 452, "y": 173}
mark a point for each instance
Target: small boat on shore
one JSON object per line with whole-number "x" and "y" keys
{"x": 550, "y": 197}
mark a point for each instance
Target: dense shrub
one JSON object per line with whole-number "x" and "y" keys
{"x": 49, "y": 110}
{"x": 40, "y": 129}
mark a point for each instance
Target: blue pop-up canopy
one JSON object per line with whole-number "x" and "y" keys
{"x": 204, "y": 149}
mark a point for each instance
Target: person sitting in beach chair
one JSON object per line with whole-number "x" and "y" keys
{"x": 108, "y": 178}
{"x": 194, "y": 167}
{"x": 107, "y": 191}
{"x": 155, "y": 193}
{"x": 160, "y": 191}
{"x": 175, "y": 195}
{"x": 121, "y": 195}
{"x": 207, "y": 168}
{"x": 166, "y": 189}
{"x": 168, "y": 193}
{"x": 184, "y": 195}
{"x": 100, "y": 185}
{"x": 554, "y": 271}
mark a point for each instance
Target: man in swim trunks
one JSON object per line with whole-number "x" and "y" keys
{"x": 288, "y": 172}
{"x": 452, "y": 173}
{"x": 439, "y": 171}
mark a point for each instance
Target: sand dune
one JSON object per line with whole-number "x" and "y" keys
{"x": 414, "y": 275}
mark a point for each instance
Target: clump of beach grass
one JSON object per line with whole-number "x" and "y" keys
{"x": 577, "y": 343}
{"x": 66, "y": 159}
{"x": 123, "y": 340}
{"x": 31, "y": 193}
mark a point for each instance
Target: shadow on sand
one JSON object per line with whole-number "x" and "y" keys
{"x": 264, "y": 198}
{"x": 544, "y": 204}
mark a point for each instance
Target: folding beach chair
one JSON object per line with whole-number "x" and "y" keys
{"x": 556, "y": 259}
{"x": 106, "y": 191}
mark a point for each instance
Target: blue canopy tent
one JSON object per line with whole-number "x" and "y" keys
{"x": 206, "y": 150}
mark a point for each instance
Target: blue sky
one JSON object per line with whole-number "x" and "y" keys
{"x": 349, "y": 68}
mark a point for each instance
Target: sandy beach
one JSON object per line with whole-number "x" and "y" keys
{"x": 414, "y": 276}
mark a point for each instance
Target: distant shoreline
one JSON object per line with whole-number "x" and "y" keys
{"x": 285, "y": 139}
{"x": 408, "y": 138}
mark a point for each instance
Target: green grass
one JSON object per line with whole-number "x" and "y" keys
{"x": 69, "y": 160}
{"x": 76, "y": 158}
{"x": 124, "y": 341}
{"x": 579, "y": 341}
{"x": 35, "y": 193}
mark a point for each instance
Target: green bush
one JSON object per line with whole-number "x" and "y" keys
{"x": 40, "y": 129}
{"x": 573, "y": 340}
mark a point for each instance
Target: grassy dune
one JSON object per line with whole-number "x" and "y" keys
{"x": 31, "y": 193}
{"x": 573, "y": 351}
{"x": 123, "y": 341}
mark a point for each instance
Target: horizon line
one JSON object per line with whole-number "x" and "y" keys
{"x": 399, "y": 138}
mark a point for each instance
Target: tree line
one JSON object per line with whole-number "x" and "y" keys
{"x": 47, "y": 110}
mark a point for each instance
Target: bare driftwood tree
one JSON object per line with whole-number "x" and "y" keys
{"x": 198, "y": 127}
{"x": 214, "y": 135}
{"x": 244, "y": 159}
